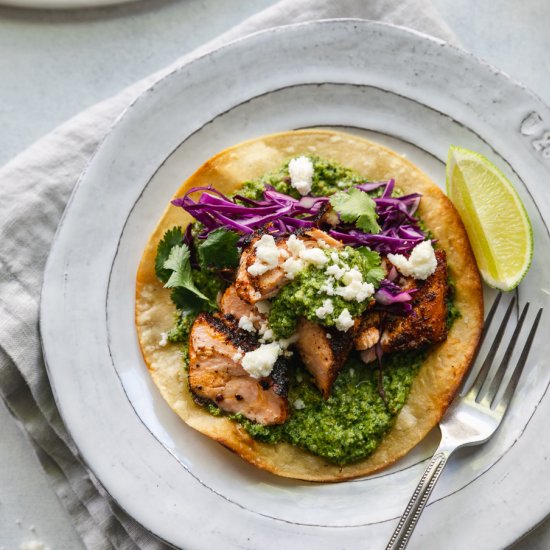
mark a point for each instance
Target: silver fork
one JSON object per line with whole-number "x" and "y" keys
{"x": 473, "y": 417}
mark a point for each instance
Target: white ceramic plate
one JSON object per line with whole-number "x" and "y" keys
{"x": 414, "y": 93}
{"x": 61, "y": 4}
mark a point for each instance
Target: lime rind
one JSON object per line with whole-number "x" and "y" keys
{"x": 456, "y": 156}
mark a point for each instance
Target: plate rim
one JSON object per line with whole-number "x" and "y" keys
{"x": 143, "y": 96}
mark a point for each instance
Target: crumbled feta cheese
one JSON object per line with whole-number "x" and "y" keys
{"x": 163, "y": 339}
{"x": 299, "y": 404}
{"x": 420, "y": 264}
{"x": 292, "y": 267}
{"x": 336, "y": 271}
{"x": 246, "y": 323}
{"x": 263, "y": 307}
{"x": 286, "y": 342}
{"x": 260, "y": 362}
{"x": 334, "y": 257}
{"x": 267, "y": 336}
{"x": 300, "y": 170}
{"x": 238, "y": 355}
{"x": 267, "y": 256}
{"x": 328, "y": 287}
{"x": 326, "y": 309}
{"x": 344, "y": 321}
{"x": 355, "y": 288}
{"x": 295, "y": 245}
{"x": 328, "y": 335}
{"x": 314, "y": 256}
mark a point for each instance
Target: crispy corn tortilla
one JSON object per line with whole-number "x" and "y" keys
{"x": 446, "y": 363}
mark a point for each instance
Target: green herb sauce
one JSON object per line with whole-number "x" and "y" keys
{"x": 328, "y": 177}
{"x": 350, "y": 424}
{"x": 306, "y": 293}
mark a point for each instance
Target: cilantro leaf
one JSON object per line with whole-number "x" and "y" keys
{"x": 372, "y": 265}
{"x": 172, "y": 237}
{"x": 181, "y": 276}
{"x": 355, "y": 206}
{"x": 219, "y": 249}
{"x": 188, "y": 302}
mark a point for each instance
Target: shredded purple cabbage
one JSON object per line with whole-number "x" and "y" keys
{"x": 285, "y": 213}
{"x": 399, "y": 233}
{"x": 393, "y": 298}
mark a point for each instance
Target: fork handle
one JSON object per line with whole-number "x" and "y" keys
{"x": 411, "y": 515}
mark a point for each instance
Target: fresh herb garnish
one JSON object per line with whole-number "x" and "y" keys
{"x": 219, "y": 249}
{"x": 355, "y": 206}
{"x": 172, "y": 237}
{"x": 181, "y": 276}
{"x": 373, "y": 272}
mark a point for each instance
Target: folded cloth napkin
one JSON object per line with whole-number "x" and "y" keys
{"x": 35, "y": 187}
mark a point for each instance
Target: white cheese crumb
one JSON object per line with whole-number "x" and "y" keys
{"x": 267, "y": 256}
{"x": 238, "y": 355}
{"x": 334, "y": 257}
{"x": 295, "y": 245}
{"x": 267, "y": 336}
{"x": 344, "y": 321}
{"x": 335, "y": 271}
{"x": 352, "y": 372}
{"x": 328, "y": 287}
{"x": 420, "y": 264}
{"x": 326, "y": 309}
{"x": 246, "y": 323}
{"x": 286, "y": 342}
{"x": 314, "y": 256}
{"x": 328, "y": 335}
{"x": 300, "y": 170}
{"x": 292, "y": 267}
{"x": 355, "y": 288}
{"x": 163, "y": 339}
{"x": 260, "y": 362}
{"x": 299, "y": 404}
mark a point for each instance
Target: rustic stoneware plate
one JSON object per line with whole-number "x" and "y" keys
{"x": 412, "y": 92}
{"x": 61, "y": 4}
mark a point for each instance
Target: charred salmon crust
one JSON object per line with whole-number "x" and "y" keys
{"x": 216, "y": 375}
{"x": 426, "y": 323}
{"x": 323, "y": 351}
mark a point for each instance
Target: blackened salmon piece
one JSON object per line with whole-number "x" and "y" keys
{"x": 427, "y": 322}
{"x": 254, "y": 288}
{"x": 216, "y": 347}
{"x": 323, "y": 351}
{"x": 232, "y": 305}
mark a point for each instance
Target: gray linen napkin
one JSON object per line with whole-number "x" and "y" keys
{"x": 35, "y": 187}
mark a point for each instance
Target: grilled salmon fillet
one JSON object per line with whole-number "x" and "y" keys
{"x": 323, "y": 351}
{"x": 232, "y": 305}
{"x": 252, "y": 288}
{"x": 216, "y": 346}
{"x": 427, "y": 322}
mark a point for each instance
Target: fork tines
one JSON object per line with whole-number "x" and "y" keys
{"x": 485, "y": 388}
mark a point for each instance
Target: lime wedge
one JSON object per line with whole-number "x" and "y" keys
{"x": 494, "y": 216}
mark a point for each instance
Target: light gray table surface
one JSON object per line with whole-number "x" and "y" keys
{"x": 54, "y": 64}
